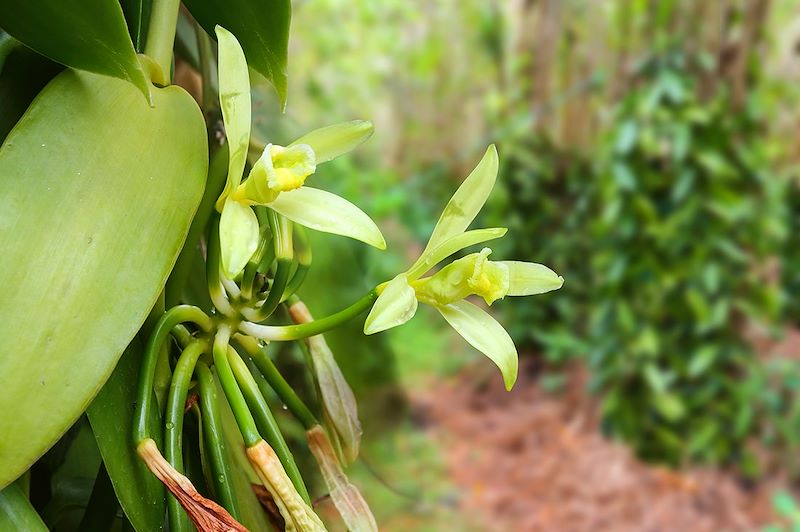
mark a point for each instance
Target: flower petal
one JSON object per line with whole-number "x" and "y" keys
{"x": 466, "y": 202}
{"x": 234, "y": 97}
{"x": 395, "y": 306}
{"x": 451, "y": 245}
{"x": 238, "y": 237}
{"x": 332, "y": 141}
{"x": 329, "y": 213}
{"x": 529, "y": 278}
{"x": 484, "y": 334}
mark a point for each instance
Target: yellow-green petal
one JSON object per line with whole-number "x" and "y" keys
{"x": 332, "y": 141}
{"x": 529, "y": 278}
{"x": 234, "y": 97}
{"x": 329, "y": 213}
{"x": 484, "y": 334}
{"x": 396, "y": 305}
{"x": 453, "y": 244}
{"x": 238, "y": 237}
{"x": 466, "y": 202}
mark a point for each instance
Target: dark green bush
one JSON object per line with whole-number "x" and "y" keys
{"x": 688, "y": 216}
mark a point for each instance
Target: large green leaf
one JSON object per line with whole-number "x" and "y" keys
{"x": 86, "y": 34}
{"x": 140, "y": 493}
{"x": 262, "y": 28}
{"x": 97, "y": 191}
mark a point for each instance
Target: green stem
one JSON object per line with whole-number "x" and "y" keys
{"x": 217, "y": 174}
{"x": 279, "y": 283}
{"x": 173, "y": 442}
{"x": 296, "y": 332}
{"x": 214, "y": 437}
{"x": 244, "y": 419}
{"x": 266, "y": 368}
{"x": 266, "y": 421}
{"x": 161, "y": 36}
{"x": 297, "y": 281}
{"x": 174, "y": 316}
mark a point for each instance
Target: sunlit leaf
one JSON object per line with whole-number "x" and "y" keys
{"x": 395, "y": 306}
{"x": 234, "y": 97}
{"x": 332, "y": 141}
{"x": 484, "y": 334}
{"x": 103, "y": 188}
{"x": 467, "y": 201}
{"x": 328, "y": 213}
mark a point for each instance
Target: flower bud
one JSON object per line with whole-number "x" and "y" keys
{"x": 474, "y": 274}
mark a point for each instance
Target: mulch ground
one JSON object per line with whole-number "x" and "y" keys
{"x": 531, "y": 460}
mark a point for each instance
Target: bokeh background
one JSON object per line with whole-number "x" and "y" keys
{"x": 649, "y": 155}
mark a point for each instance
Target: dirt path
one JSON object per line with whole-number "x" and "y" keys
{"x": 533, "y": 461}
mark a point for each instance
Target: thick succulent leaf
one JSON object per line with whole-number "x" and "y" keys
{"x": 484, "y": 334}
{"x": 432, "y": 256}
{"x": 328, "y": 213}
{"x": 463, "y": 207}
{"x": 85, "y": 34}
{"x": 396, "y": 305}
{"x": 139, "y": 492}
{"x": 238, "y": 237}
{"x": 332, "y": 141}
{"x": 234, "y": 97}
{"x": 529, "y": 278}
{"x": 262, "y": 27}
{"x": 17, "y": 513}
{"x": 97, "y": 191}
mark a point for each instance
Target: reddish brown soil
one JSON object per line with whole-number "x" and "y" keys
{"x": 536, "y": 461}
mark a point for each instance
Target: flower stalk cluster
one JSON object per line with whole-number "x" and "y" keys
{"x": 257, "y": 257}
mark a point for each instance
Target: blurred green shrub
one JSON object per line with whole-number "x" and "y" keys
{"x": 790, "y": 258}
{"x": 688, "y": 216}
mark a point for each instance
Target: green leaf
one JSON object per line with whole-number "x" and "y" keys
{"x": 262, "y": 26}
{"x": 463, "y": 207}
{"x": 17, "y": 513}
{"x": 332, "y": 141}
{"x": 328, "y": 213}
{"x": 234, "y": 97}
{"x": 137, "y": 16}
{"x": 396, "y": 305}
{"x": 433, "y": 256}
{"x": 238, "y": 237}
{"x": 84, "y": 34}
{"x": 529, "y": 278}
{"x": 97, "y": 191}
{"x": 484, "y": 334}
{"x": 140, "y": 493}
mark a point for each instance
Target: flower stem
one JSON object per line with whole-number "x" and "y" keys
{"x": 296, "y": 332}
{"x": 173, "y": 442}
{"x": 244, "y": 419}
{"x": 266, "y": 422}
{"x": 144, "y": 394}
{"x": 215, "y": 442}
{"x": 267, "y": 370}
